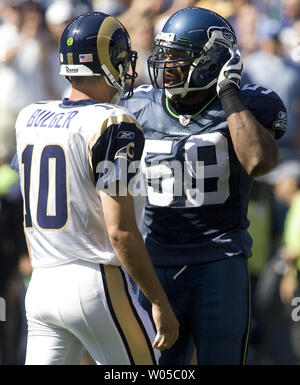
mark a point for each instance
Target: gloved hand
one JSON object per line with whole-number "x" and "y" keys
{"x": 231, "y": 72}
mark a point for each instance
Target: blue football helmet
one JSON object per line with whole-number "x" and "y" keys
{"x": 196, "y": 41}
{"x": 97, "y": 44}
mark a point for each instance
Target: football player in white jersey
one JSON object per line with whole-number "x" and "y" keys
{"x": 81, "y": 230}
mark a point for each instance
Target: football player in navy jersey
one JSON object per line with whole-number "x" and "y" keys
{"x": 196, "y": 115}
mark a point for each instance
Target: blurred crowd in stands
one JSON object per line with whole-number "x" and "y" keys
{"x": 268, "y": 33}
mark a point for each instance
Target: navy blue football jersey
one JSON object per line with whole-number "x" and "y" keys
{"x": 197, "y": 212}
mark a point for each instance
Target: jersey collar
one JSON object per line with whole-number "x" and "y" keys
{"x": 67, "y": 103}
{"x": 184, "y": 119}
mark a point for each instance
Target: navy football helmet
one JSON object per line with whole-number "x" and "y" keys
{"x": 195, "y": 43}
{"x": 98, "y": 44}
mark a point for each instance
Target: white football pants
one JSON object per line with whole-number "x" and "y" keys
{"x": 86, "y": 305}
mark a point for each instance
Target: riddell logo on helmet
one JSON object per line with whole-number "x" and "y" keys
{"x": 71, "y": 70}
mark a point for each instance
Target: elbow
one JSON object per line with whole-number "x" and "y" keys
{"x": 263, "y": 164}
{"x": 260, "y": 170}
{"x": 116, "y": 237}
{"x": 120, "y": 238}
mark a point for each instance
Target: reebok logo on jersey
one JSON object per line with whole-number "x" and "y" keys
{"x": 126, "y": 135}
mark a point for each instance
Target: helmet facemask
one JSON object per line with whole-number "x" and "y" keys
{"x": 132, "y": 75}
{"x": 124, "y": 65}
{"x": 161, "y": 67}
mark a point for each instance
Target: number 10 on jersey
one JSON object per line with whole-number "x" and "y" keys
{"x": 51, "y": 189}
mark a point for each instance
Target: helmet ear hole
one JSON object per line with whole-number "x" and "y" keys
{"x": 204, "y": 74}
{"x": 212, "y": 67}
{"x": 197, "y": 77}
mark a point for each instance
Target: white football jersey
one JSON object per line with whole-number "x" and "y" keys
{"x": 59, "y": 145}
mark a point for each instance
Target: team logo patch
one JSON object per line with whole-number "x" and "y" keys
{"x": 282, "y": 121}
{"x": 70, "y": 41}
{"x": 126, "y": 135}
{"x": 282, "y": 115}
{"x": 126, "y": 152}
{"x": 86, "y": 58}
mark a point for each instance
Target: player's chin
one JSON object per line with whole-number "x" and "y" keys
{"x": 172, "y": 82}
{"x": 169, "y": 84}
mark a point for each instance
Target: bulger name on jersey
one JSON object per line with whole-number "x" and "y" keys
{"x": 50, "y": 119}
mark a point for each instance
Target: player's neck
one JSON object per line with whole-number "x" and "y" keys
{"x": 78, "y": 95}
{"x": 91, "y": 94}
{"x": 191, "y": 103}
{"x": 98, "y": 91}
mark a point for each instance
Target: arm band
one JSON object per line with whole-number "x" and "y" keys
{"x": 231, "y": 101}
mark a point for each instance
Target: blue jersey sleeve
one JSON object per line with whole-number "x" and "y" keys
{"x": 267, "y": 107}
{"x": 120, "y": 144}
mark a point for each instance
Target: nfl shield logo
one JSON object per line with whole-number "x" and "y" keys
{"x": 184, "y": 119}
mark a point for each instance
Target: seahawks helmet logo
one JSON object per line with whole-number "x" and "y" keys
{"x": 221, "y": 35}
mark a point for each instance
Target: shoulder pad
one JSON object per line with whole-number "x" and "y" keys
{"x": 145, "y": 88}
{"x": 142, "y": 95}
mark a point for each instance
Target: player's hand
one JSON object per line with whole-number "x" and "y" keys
{"x": 287, "y": 287}
{"x": 231, "y": 72}
{"x": 167, "y": 326}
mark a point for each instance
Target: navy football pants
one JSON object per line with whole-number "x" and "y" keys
{"x": 211, "y": 302}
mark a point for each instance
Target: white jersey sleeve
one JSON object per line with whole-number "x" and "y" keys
{"x": 59, "y": 146}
